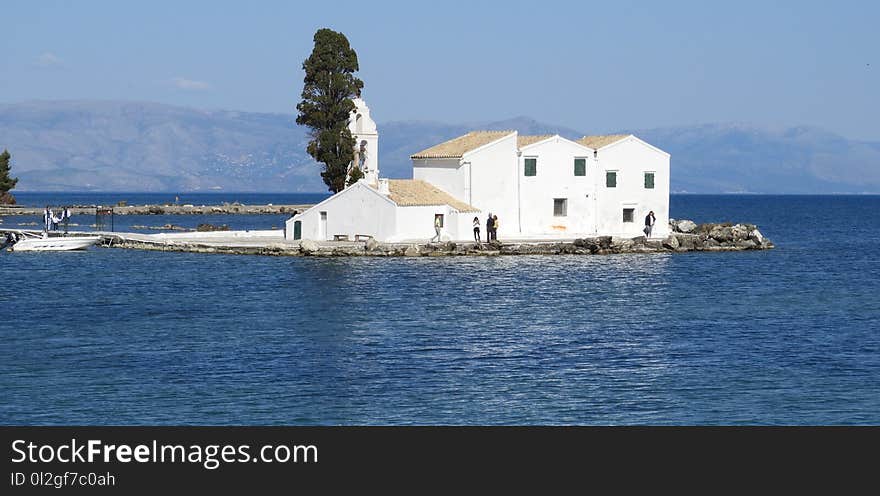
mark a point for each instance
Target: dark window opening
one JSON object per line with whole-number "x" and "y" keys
{"x": 560, "y": 207}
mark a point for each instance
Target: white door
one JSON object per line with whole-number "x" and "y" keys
{"x": 322, "y": 227}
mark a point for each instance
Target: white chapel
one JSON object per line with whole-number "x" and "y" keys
{"x": 539, "y": 187}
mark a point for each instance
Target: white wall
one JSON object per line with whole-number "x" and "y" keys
{"x": 631, "y": 158}
{"x": 493, "y": 177}
{"x": 463, "y": 223}
{"x": 445, "y": 173}
{"x": 357, "y": 209}
{"x": 417, "y": 224}
{"x": 363, "y": 128}
{"x": 555, "y": 179}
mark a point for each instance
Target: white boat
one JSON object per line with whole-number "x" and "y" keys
{"x": 29, "y": 241}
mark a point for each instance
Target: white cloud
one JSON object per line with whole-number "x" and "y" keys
{"x": 190, "y": 84}
{"x": 48, "y": 59}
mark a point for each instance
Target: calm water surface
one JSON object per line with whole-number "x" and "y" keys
{"x": 787, "y": 336}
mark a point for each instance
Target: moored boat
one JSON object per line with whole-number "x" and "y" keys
{"x": 27, "y": 241}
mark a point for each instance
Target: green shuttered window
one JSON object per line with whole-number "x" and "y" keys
{"x": 580, "y": 167}
{"x": 531, "y": 167}
{"x": 611, "y": 179}
{"x": 649, "y": 180}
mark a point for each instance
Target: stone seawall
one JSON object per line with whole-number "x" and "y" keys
{"x": 706, "y": 237}
{"x": 226, "y": 208}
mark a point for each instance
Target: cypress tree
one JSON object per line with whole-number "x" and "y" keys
{"x": 330, "y": 85}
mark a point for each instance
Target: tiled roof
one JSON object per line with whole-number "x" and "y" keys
{"x": 457, "y": 147}
{"x": 596, "y": 142}
{"x": 415, "y": 192}
{"x": 522, "y": 141}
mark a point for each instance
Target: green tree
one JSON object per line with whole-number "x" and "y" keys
{"x": 330, "y": 85}
{"x": 6, "y": 181}
{"x": 355, "y": 175}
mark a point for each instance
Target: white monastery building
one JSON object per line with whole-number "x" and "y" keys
{"x": 540, "y": 187}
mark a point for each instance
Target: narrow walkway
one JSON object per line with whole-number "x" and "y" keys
{"x": 217, "y": 238}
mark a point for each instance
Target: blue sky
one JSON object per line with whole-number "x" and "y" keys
{"x": 595, "y": 67}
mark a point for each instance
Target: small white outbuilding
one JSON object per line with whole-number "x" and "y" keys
{"x": 539, "y": 187}
{"x": 396, "y": 210}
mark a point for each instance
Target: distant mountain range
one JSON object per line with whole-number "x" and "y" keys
{"x": 139, "y": 146}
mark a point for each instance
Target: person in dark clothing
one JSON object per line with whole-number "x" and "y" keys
{"x": 477, "y": 230}
{"x": 9, "y": 241}
{"x": 649, "y": 223}
{"x": 490, "y": 223}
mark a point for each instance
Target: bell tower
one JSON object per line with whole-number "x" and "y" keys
{"x": 366, "y": 136}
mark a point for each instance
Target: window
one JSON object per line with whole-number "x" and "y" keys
{"x": 560, "y": 207}
{"x": 610, "y": 179}
{"x": 629, "y": 214}
{"x": 649, "y": 180}
{"x": 438, "y": 217}
{"x": 531, "y": 167}
{"x": 580, "y": 167}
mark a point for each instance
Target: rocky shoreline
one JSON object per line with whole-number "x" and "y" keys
{"x": 702, "y": 237}
{"x": 168, "y": 209}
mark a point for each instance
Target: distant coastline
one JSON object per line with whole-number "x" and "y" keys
{"x": 112, "y": 145}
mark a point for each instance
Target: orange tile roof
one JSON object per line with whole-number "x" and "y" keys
{"x": 457, "y": 147}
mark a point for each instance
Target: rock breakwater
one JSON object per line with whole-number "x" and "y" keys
{"x": 705, "y": 237}
{"x": 226, "y": 208}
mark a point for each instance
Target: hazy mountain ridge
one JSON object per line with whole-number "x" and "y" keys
{"x": 143, "y": 146}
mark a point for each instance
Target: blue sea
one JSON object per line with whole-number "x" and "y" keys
{"x": 786, "y": 336}
{"x": 148, "y": 224}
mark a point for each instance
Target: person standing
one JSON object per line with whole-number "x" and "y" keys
{"x": 437, "y": 226}
{"x": 494, "y": 228}
{"x": 55, "y": 219}
{"x": 649, "y": 223}
{"x": 47, "y": 219}
{"x": 477, "y": 230}
{"x": 489, "y": 224}
{"x": 65, "y": 216}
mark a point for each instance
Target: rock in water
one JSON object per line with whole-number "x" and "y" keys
{"x": 671, "y": 242}
{"x": 740, "y": 232}
{"x": 211, "y": 228}
{"x": 722, "y": 234}
{"x": 756, "y": 235}
{"x": 685, "y": 226}
{"x": 621, "y": 244}
{"x": 411, "y": 251}
{"x": 686, "y": 241}
{"x": 371, "y": 244}
{"x": 604, "y": 242}
{"x": 308, "y": 246}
